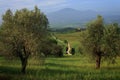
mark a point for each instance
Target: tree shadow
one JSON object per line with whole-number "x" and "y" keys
{"x": 9, "y": 70}
{"x": 5, "y": 77}
{"x": 50, "y": 69}
{"x": 63, "y": 66}
{"x": 6, "y": 72}
{"x": 111, "y": 68}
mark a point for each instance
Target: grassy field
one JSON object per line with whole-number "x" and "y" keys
{"x": 77, "y": 67}
{"x": 72, "y": 38}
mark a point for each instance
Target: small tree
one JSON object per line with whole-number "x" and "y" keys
{"x": 51, "y": 47}
{"x": 98, "y": 39}
{"x": 94, "y": 37}
{"x": 22, "y": 33}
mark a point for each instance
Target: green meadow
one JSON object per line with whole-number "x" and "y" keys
{"x": 69, "y": 67}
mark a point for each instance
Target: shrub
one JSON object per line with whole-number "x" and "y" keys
{"x": 52, "y": 48}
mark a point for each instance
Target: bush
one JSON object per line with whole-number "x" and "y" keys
{"x": 52, "y": 48}
{"x": 73, "y": 51}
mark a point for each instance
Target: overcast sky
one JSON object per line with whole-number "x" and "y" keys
{"x": 53, "y": 5}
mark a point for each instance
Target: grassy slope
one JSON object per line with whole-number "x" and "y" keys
{"x": 72, "y": 38}
{"x": 66, "y": 68}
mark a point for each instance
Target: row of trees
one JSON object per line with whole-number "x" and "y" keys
{"x": 101, "y": 41}
{"x": 25, "y": 33}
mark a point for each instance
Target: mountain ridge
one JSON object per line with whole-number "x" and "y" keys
{"x": 69, "y": 17}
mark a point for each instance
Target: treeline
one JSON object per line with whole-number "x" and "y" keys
{"x": 67, "y": 30}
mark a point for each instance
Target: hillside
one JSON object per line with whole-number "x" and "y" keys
{"x": 72, "y": 38}
{"x": 69, "y": 17}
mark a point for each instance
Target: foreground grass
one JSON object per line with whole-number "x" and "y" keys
{"x": 77, "y": 67}
{"x": 66, "y": 68}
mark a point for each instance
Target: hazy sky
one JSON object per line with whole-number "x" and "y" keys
{"x": 54, "y": 5}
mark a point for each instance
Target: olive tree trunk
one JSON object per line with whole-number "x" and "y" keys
{"x": 98, "y": 61}
{"x": 24, "y": 64}
{"x": 24, "y": 59}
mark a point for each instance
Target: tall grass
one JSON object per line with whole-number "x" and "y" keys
{"x": 66, "y": 68}
{"x": 77, "y": 67}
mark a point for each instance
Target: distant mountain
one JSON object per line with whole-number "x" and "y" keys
{"x": 69, "y": 17}
{"x": 0, "y": 21}
{"x": 112, "y": 18}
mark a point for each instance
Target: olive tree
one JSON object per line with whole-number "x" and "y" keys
{"x": 101, "y": 41}
{"x": 22, "y": 33}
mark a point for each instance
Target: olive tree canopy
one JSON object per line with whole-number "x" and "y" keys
{"x": 22, "y": 33}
